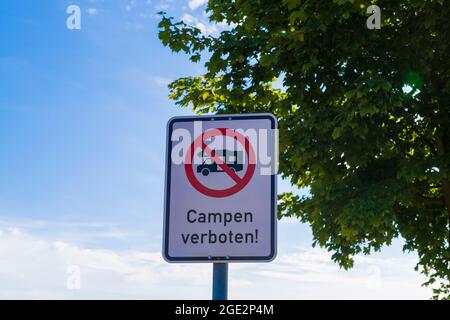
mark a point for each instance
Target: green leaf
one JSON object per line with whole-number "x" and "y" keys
{"x": 337, "y": 131}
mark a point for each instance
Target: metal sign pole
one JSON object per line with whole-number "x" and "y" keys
{"x": 220, "y": 281}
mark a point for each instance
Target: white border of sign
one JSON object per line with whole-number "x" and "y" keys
{"x": 165, "y": 247}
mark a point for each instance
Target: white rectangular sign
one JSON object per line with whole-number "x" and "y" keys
{"x": 220, "y": 192}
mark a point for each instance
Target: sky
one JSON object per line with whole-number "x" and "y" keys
{"x": 83, "y": 115}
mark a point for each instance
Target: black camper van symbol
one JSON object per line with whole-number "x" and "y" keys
{"x": 233, "y": 159}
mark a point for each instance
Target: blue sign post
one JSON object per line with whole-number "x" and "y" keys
{"x": 220, "y": 281}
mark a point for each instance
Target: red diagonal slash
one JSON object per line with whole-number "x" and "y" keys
{"x": 240, "y": 183}
{"x": 220, "y": 163}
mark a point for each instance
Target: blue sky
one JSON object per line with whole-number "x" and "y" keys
{"x": 82, "y": 142}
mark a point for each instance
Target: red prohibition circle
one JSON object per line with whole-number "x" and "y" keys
{"x": 240, "y": 183}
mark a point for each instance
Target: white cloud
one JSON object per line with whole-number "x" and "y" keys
{"x": 131, "y": 4}
{"x": 36, "y": 267}
{"x": 91, "y": 11}
{"x": 194, "y": 4}
{"x": 161, "y": 81}
{"x": 33, "y": 267}
{"x": 201, "y": 23}
{"x": 144, "y": 82}
{"x": 163, "y": 4}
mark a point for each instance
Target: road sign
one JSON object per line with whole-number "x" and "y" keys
{"x": 220, "y": 192}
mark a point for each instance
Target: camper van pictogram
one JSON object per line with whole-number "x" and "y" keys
{"x": 233, "y": 159}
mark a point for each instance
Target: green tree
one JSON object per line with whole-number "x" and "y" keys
{"x": 364, "y": 114}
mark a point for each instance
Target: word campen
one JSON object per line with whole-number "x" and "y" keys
{"x": 192, "y": 216}
{"x": 225, "y": 218}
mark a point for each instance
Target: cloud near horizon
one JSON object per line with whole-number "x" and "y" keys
{"x": 194, "y": 4}
{"x": 34, "y": 267}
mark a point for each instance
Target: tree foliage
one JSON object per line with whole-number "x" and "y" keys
{"x": 364, "y": 115}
